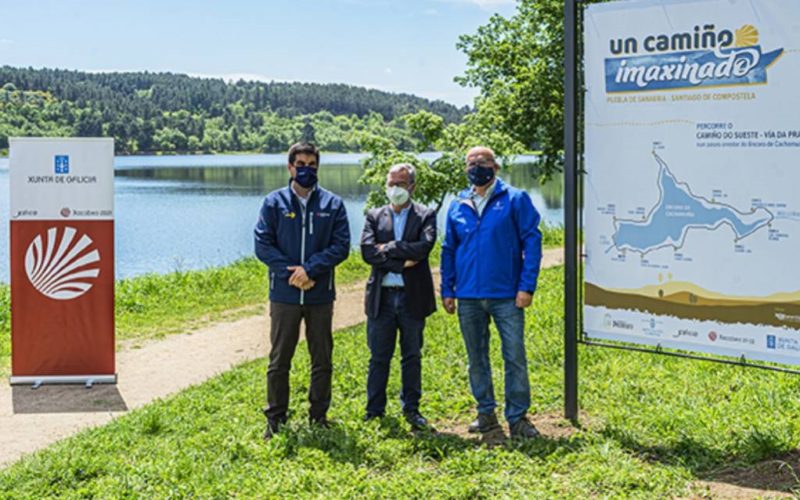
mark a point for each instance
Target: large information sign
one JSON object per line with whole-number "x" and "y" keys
{"x": 62, "y": 260}
{"x": 692, "y": 211}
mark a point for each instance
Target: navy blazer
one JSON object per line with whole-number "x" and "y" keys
{"x": 419, "y": 237}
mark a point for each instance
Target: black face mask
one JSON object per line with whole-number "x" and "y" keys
{"x": 305, "y": 176}
{"x": 480, "y": 175}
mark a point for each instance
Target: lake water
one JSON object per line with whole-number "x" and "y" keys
{"x": 191, "y": 212}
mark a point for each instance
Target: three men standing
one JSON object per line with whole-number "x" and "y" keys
{"x": 302, "y": 234}
{"x": 396, "y": 242}
{"x": 490, "y": 263}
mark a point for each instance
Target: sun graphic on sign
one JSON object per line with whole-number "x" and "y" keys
{"x": 746, "y": 36}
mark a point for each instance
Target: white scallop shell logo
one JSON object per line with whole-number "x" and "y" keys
{"x": 64, "y": 267}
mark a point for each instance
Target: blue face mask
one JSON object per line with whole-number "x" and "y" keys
{"x": 480, "y": 175}
{"x": 305, "y": 176}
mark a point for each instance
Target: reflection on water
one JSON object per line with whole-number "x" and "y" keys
{"x": 170, "y": 217}
{"x": 244, "y": 181}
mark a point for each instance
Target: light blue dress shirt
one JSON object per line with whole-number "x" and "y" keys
{"x": 480, "y": 201}
{"x": 399, "y": 225}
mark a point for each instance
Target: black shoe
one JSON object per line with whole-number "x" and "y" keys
{"x": 417, "y": 421}
{"x": 320, "y": 422}
{"x": 523, "y": 429}
{"x": 485, "y": 423}
{"x": 273, "y": 426}
{"x": 372, "y": 416}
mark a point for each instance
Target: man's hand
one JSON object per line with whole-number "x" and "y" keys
{"x": 299, "y": 278}
{"x": 308, "y": 285}
{"x": 449, "y": 304}
{"x": 410, "y": 263}
{"x": 523, "y": 299}
{"x": 380, "y": 246}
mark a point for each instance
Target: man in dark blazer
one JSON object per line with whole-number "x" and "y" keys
{"x": 396, "y": 241}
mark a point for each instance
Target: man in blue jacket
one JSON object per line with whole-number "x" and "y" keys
{"x": 490, "y": 263}
{"x": 301, "y": 235}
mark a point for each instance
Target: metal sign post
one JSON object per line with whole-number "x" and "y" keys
{"x": 571, "y": 264}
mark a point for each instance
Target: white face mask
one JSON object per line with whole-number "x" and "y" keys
{"x": 397, "y": 195}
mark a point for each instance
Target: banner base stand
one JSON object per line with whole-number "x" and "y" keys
{"x": 35, "y": 381}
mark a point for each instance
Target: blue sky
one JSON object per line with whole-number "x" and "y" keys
{"x": 399, "y": 45}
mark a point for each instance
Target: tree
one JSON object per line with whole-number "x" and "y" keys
{"x": 90, "y": 124}
{"x": 517, "y": 64}
{"x": 441, "y": 177}
{"x": 147, "y": 112}
{"x": 309, "y": 133}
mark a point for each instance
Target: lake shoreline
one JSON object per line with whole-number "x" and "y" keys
{"x": 527, "y": 157}
{"x": 199, "y": 212}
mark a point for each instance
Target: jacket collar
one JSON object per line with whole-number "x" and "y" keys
{"x": 499, "y": 187}
{"x": 291, "y": 192}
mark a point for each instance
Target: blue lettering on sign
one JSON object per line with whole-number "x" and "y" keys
{"x": 770, "y": 341}
{"x": 62, "y": 164}
{"x": 680, "y": 70}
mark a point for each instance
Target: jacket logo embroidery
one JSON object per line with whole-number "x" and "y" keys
{"x": 290, "y": 215}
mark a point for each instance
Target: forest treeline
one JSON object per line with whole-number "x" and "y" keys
{"x": 165, "y": 112}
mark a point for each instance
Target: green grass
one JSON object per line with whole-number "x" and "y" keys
{"x": 552, "y": 235}
{"x": 653, "y": 424}
{"x": 156, "y": 305}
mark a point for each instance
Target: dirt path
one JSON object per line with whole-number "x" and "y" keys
{"x": 33, "y": 419}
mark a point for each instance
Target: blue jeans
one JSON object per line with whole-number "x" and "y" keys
{"x": 381, "y": 338}
{"x": 473, "y": 316}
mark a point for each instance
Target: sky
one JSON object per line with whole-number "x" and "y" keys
{"x": 393, "y": 45}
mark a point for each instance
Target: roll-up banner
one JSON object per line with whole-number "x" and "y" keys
{"x": 62, "y": 260}
{"x": 692, "y": 214}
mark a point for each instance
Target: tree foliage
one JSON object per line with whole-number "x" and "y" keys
{"x": 517, "y": 63}
{"x": 442, "y": 176}
{"x": 163, "y": 112}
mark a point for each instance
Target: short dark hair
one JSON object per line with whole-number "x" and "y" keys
{"x": 303, "y": 148}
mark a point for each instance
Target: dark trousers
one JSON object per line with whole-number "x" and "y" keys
{"x": 284, "y": 335}
{"x": 381, "y": 338}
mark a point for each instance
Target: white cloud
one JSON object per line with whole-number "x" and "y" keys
{"x": 430, "y": 12}
{"x": 388, "y": 71}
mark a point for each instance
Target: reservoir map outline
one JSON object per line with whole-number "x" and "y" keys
{"x": 720, "y": 213}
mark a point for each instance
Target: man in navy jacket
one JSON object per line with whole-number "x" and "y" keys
{"x": 301, "y": 235}
{"x": 490, "y": 263}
